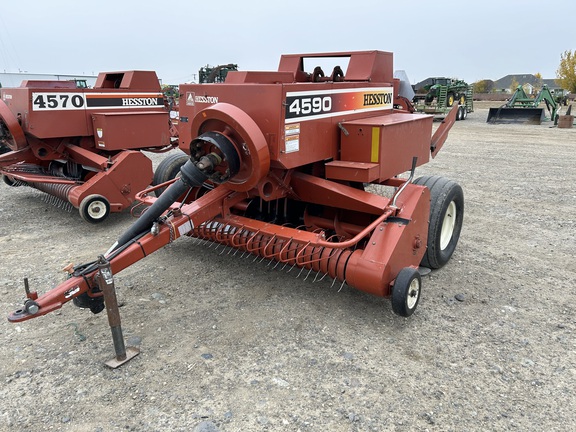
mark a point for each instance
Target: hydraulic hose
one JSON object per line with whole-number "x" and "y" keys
{"x": 192, "y": 174}
{"x": 144, "y": 223}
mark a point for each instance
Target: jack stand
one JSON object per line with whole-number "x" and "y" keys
{"x": 105, "y": 281}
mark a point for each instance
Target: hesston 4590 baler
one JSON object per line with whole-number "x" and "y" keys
{"x": 82, "y": 146}
{"x": 276, "y": 166}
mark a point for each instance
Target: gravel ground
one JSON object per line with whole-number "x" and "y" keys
{"x": 229, "y": 344}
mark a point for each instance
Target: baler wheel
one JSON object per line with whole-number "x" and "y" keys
{"x": 168, "y": 169}
{"x": 406, "y": 292}
{"x": 94, "y": 208}
{"x": 446, "y": 217}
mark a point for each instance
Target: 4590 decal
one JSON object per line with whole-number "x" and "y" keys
{"x": 302, "y": 106}
{"x": 317, "y": 104}
{"x": 58, "y": 101}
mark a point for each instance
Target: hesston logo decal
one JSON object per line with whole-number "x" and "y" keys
{"x": 124, "y": 100}
{"x": 192, "y": 99}
{"x": 139, "y": 101}
{"x": 377, "y": 99}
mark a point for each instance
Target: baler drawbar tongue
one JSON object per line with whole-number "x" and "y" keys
{"x": 508, "y": 115}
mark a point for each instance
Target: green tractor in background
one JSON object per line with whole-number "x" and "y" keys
{"x": 215, "y": 74}
{"x": 441, "y": 94}
{"x": 455, "y": 90}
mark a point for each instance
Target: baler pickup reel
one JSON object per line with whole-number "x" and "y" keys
{"x": 276, "y": 167}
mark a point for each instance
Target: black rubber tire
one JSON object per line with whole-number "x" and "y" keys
{"x": 446, "y": 198}
{"x": 462, "y": 99}
{"x": 95, "y": 304}
{"x": 450, "y": 99}
{"x": 94, "y": 208}
{"x": 464, "y": 112}
{"x": 168, "y": 169}
{"x": 459, "y": 114}
{"x": 9, "y": 181}
{"x": 406, "y": 292}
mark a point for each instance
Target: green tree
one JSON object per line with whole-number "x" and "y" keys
{"x": 566, "y": 73}
{"x": 514, "y": 85}
{"x": 484, "y": 86}
{"x": 538, "y": 83}
{"x": 480, "y": 86}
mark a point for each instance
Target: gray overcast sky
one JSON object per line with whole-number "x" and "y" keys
{"x": 470, "y": 40}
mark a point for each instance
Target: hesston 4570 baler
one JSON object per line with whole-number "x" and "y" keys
{"x": 276, "y": 166}
{"x": 82, "y": 146}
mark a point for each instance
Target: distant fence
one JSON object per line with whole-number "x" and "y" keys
{"x": 491, "y": 96}
{"x": 502, "y": 96}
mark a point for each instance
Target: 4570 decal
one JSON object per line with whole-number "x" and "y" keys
{"x": 96, "y": 100}
{"x": 57, "y": 101}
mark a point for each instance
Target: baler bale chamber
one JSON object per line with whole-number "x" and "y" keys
{"x": 277, "y": 165}
{"x": 82, "y": 146}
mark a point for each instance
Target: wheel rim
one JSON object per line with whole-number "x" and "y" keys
{"x": 413, "y": 293}
{"x": 96, "y": 210}
{"x": 448, "y": 225}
